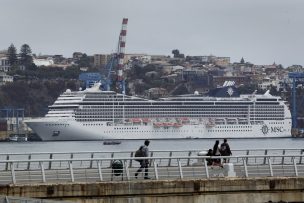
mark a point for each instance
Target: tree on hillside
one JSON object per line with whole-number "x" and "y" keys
{"x": 84, "y": 61}
{"x": 26, "y": 58}
{"x": 177, "y": 54}
{"x": 12, "y": 55}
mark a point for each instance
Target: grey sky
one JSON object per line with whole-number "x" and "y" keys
{"x": 261, "y": 31}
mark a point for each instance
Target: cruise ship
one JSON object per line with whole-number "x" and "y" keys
{"x": 93, "y": 114}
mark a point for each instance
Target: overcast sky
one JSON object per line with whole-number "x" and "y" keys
{"x": 261, "y": 31}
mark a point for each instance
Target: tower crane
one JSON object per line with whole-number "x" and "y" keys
{"x": 117, "y": 59}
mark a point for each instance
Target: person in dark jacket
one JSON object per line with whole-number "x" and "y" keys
{"x": 209, "y": 160}
{"x": 144, "y": 164}
{"x": 225, "y": 150}
{"x": 216, "y": 152}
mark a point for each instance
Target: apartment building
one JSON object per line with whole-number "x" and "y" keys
{"x": 101, "y": 59}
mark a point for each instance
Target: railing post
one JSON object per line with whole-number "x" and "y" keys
{"x": 283, "y": 156}
{"x": 6, "y": 165}
{"x": 42, "y": 171}
{"x": 295, "y": 166}
{"x": 266, "y": 152}
{"x": 127, "y": 169}
{"x": 150, "y": 162}
{"x": 99, "y": 170}
{"x": 155, "y": 170}
{"x": 29, "y": 163}
{"x": 206, "y": 168}
{"x": 247, "y": 153}
{"x": 245, "y": 167}
{"x": 71, "y": 171}
{"x": 180, "y": 169}
{"x": 188, "y": 162}
{"x": 91, "y": 162}
{"x": 170, "y": 155}
{"x": 72, "y": 156}
{"x": 131, "y": 155}
{"x": 13, "y": 173}
{"x": 270, "y": 166}
{"x": 300, "y": 162}
{"x": 50, "y": 163}
{"x": 112, "y": 157}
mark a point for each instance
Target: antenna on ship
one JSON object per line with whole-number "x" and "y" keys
{"x": 121, "y": 55}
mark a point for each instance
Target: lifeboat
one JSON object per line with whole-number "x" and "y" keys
{"x": 169, "y": 124}
{"x": 145, "y": 120}
{"x": 184, "y": 120}
{"x": 177, "y": 125}
{"x": 136, "y": 120}
{"x": 158, "y": 125}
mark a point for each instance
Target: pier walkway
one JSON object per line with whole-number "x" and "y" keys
{"x": 88, "y": 167}
{"x": 259, "y": 175}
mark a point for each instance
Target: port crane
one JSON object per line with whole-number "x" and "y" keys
{"x": 297, "y": 78}
{"x": 116, "y": 61}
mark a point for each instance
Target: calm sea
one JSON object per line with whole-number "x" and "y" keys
{"x": 132, "y": 145}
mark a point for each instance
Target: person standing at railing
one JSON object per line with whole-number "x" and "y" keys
{"x": 216, "y": 152}
{"x": 225, "y": 150}
{"x": 144, "y": 164}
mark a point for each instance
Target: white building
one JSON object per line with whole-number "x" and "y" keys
{"x": 43, "y": 62}
{"x": 5, "y": 78}
{"x": 267, "y": 83}
{"x": 4, "y": 64}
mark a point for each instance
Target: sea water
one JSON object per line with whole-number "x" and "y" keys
{"x": 132, "y": 145}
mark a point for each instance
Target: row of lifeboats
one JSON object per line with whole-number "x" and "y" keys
{"x": 147, "y": 120}
{"x": 139, "y": 120}
{"x": 167, "y": 124}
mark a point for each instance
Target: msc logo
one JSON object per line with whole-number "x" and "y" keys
{"x": 265, "y": 129}
{"x": 277, "y": 129}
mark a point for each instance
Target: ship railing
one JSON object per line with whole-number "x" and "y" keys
{"x": 160, "y": 168}
{"x": 128, "y": 154}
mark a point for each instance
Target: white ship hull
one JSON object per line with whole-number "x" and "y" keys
{"x": 64, "y": 129}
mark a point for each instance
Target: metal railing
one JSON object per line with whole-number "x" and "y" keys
{"x": 160, "y": 168}
{"x": 126, "y": 154}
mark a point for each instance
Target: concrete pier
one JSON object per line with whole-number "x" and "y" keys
{"x": 236, "y": 190}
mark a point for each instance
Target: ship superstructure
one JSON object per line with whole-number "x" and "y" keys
{"x": 93, "y": 114}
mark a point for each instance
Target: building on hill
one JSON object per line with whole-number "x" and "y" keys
{"x": 4, "y": 78}
{"x": 141, "y": 57}
{"x": 101, "y": 60}
{"x": 4, "y": 64}
{"x": 160, "y": 58}
{"x": 221, "y": 61}
{"x": 43, "y": 62}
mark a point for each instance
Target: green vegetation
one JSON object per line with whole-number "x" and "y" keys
{"x": 34, "y": 96}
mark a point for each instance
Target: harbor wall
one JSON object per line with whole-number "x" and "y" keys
{"x": 236, "y": 190}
